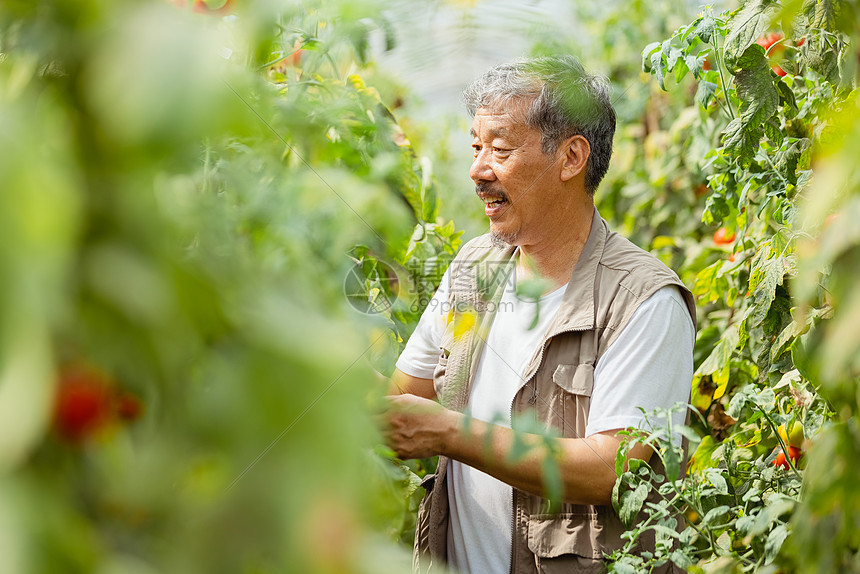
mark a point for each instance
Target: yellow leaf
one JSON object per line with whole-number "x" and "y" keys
{"x": 463, "y": 323}
{"x": 721, "y": 378}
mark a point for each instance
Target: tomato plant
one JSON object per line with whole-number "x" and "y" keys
{"x": 774, "y": 97}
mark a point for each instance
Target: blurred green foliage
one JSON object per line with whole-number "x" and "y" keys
{"x": 185, "y": 187}
{"x": 762, "y": 136}
{"x": 183, "y": 386}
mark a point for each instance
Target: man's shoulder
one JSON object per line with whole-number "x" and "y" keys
{"x": 638, "y": 274}
{"x": 622, "y": 254}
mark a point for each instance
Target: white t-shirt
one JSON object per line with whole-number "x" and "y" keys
{"x": 649, "y": 365}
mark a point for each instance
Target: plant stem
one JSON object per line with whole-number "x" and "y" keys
{"x": 719, "y": 62}
{"x": 781, "y": 443}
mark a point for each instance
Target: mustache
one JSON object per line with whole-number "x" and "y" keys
{"x": 483, "y": 188}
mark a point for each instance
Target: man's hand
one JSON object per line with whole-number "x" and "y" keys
{"x": 416, "y": 427}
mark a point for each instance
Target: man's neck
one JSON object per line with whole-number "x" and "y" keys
{"x": 555, "y": 258}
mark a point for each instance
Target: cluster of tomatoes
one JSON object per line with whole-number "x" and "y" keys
{"x": 774, "y": 47}
{"x": 793, "y": 439}
{"x": 88, "y": 403}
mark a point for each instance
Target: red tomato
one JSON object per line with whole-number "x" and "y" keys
{"x": 129, "y": 407}
{"x": 83, "y": 403}
{"x": 296, "y": 56}
{"x": 767, "y": 41}
{"x": 779, "y": 71}
{"x": 723, "y": 236}
{"x": 793, "y": 454}
{"x": 706, "y": 65}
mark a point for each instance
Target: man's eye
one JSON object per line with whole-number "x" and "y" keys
{"x": 476, "y": 147}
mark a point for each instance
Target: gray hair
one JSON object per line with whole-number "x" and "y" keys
{"x": 565, "y": 101}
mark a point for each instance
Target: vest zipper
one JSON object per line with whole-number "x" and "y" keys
{"x": 533, "y": 400}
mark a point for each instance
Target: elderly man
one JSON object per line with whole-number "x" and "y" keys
{"x": 610, "y": 330}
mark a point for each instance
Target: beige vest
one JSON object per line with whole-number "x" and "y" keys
{"x": 611, "y": 279}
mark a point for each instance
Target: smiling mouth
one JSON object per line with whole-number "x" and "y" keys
{"x": 493, "y": 199}
{"x": 494, "y": 202}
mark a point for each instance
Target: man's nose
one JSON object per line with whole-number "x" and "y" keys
{"x": 481, "y": 170}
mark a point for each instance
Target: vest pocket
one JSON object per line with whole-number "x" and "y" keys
{"x": 566, "y": 543}
{"x": 445, "y": 346}
{"x": 574, "y": 384}
{"x": 575, "y": 379}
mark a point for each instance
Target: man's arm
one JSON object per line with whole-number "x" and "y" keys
{"x": 419, "y": 428}
{"x": 403, "y": 384}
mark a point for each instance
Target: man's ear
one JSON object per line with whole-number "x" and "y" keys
{"x": 576, "y": 152}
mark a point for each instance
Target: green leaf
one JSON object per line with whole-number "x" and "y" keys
{"x": 705, "y": 280}
{"x": 622, "y": 568}
{"x": 715, "y": 476}
{"x": 681, "y": 69}
{"x": 675, "y": 55}
{"x": 785, "y": 339}
{"x": 830, "y": 15}
{"x": 745, "y": 27}
{"x": 787, "y": 159}
{"x": 774, "y": 542}
{"x": 767, "y": 273}
{"x": 552, "y": 481}
{"x": 701, "y": 458}
{"x": 694, "y": 64}
{"x": 716, "y": 209}
{"x": 736, "y": 405}
{"x": 620, "y": 458}
{"x": 755, "y": 89}
{"x": 741, "y": 140}
{"x": 713, "y": 514}
{"x": 658, "y": 68}
{"x": 720, "y": 357}
{"x": 631, "y": 503}
{"x": 649, "y": 50}
{"x": 773, "y": 130}
{"x": 705, "y": 93}
{"x": 672, "y": 462}
{"x": 705, "y": 29}
{"x": 786, "y": 96}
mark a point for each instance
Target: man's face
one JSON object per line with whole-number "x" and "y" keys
{"x": 516, "y": 180}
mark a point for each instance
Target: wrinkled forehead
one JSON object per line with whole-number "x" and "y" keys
{"x": 516, "y": 107}
{"x": 503, "y": 117}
